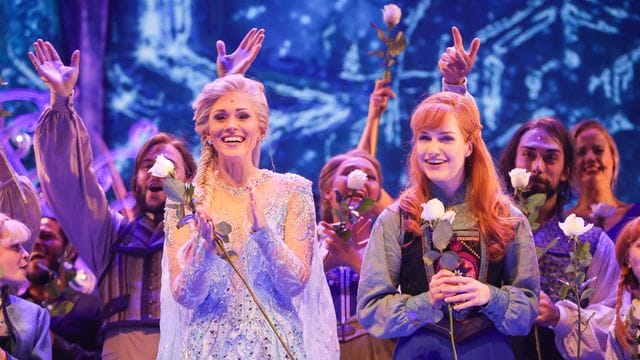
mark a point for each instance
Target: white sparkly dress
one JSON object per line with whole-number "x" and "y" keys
{"x": 207, "y": 312}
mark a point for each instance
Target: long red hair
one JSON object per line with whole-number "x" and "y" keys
{"x": 627, "y": 237}
{"x": 485, "y": 196}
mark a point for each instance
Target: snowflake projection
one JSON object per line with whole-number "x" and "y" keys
{"x": 569, "y": 59}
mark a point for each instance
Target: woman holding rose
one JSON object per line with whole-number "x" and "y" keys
{"x": 270, "y": 243}
{"x": 493, "y": 291}
{"x": 356, "y": 176}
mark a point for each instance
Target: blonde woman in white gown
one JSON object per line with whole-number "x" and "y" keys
{"x": 207, "y": 312}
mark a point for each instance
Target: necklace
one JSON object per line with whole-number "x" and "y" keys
{"x": 241, "y": 190}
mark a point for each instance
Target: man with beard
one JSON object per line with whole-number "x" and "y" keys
{"x": 545, "y": 148}
{"x": 74, "y": 330}
{"x": 125, "y": 254}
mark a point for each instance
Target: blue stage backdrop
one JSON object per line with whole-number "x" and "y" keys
{"x": 569, "y": 59}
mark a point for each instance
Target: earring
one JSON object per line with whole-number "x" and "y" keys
{"x": 209, "y": 142}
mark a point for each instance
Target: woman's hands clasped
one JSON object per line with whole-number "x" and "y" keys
{"x": 463, "y": 292}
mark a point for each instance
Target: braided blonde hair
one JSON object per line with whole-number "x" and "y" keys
{"x": 209, "y": 95}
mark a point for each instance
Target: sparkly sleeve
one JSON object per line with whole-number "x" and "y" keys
{"x": 194, "y": 272}
{"x": 289, "y": 256}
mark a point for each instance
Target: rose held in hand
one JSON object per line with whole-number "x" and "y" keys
{"x": 162, "y": 168}
{"x": 356, "y": 179}
{"x": 519, "y": 178}
{"x": 574, "y": 226}
{"x": 391, "y": 15}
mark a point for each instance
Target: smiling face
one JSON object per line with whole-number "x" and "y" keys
{"x": 543, "y": 156}
{"x": 441, "y": 154}
{"x": 594, "y": 158}
{"x": 46, "y": 252}
{"x": 234, "y": 129}
{"x": 149, "y": 194}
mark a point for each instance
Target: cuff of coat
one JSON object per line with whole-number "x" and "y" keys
{"x": 61, "y": 103}
{"x": 264, "y": 237}
{"x": 564, "y": 323}
{"x": 497, "y": 305}
{"x": 458, "y": 89}
{"x": 419, "y": 311}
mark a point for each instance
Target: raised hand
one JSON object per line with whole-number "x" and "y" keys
{"x": 59, "y": 78}
{"x": 456, "y": 63}
{"x": 204, "y": 225}
{"x": 239, "y": 61}
{"x": 256, "y": 214}
{"x": 346, "y": 252}
{"x": 379, "y": 98}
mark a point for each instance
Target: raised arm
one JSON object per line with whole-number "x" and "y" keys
{"x": 239, "y": 61}
{"x": 64, "y": 162}
{"x": 456, "y": 63}
{"x": 288, "y": 255}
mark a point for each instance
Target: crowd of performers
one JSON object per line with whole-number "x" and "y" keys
{"x": 253, "y": 275}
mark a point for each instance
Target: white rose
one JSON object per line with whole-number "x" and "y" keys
{"x": 356, "y": 179}
{"x": 602, "y": 210}
{"x": 519, "y": 178}
{"x": 432, "y": 210}
{"x": 162, "y": 168}
{"x": 574, "y": 226}
{"x": 449, "y": 215}
{"x": 391, "y": 14}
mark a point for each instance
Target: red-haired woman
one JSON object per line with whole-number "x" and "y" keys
{"x": 624, "y": 337}
{"x": 494, "y": 291}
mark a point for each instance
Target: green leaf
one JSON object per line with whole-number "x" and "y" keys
{"x": 381, "y": 35}
{"x": 346, "y": 235}
{"x": 570, "y": 269}
{"x": 366, "y": 204}
{"x": 223, "y": 228}
{"x": 588, "y": 292}
{"x": 174, "y": 189}
{"x": 377, "y": 53}
{"x": 61, "y": 308}
{"x": 397, "y": 45}
{"x": 430, "y": 257}
{"x": 185, "y": 220}
{"x": 449, "y": 260}
{"x": 534, "y": 226}
{"x": 51, "y": 289}
{"x": 579, "y": 279}
{"x": 534, "y": 202}
{"x": 539, "y": 252}
{"x": 442, "y": 235}
{"x": 563, "y": 291}
{"x": 232, "y": 256}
